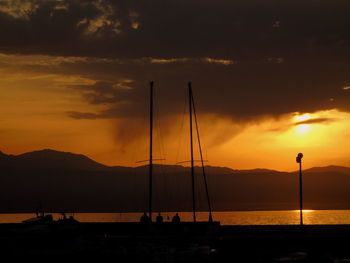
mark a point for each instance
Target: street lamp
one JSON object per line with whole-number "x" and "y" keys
{"x": 298, "y": 159}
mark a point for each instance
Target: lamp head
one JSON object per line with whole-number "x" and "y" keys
{"x": 299, "y": 157}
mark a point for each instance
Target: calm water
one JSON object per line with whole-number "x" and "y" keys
{"x": 226, "y": 218}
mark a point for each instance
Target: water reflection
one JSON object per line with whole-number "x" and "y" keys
{"x": 290, "y": 217}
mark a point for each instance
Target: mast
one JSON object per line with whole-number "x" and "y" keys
{"x": 150, "y": 152}
{"x": 191, "y": 142}
{"x": 202, "y": 161}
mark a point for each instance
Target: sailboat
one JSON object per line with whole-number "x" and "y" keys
{"x": 192, "y": 113}
{"x": 41, "y": 218}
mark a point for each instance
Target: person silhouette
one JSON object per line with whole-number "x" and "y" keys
{"x": 64, "y": 217}
{"x": 176, "y": 218}
{"x": 159, "y": 218}
{"x": 144, "y": 218}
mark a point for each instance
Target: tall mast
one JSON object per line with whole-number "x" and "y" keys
{"x": 202, "y": 161}
{"x": 150, "y": 152}
{"x": 191, "y": 142}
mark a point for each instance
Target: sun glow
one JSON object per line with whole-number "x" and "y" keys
{"x": 302, "y": 128}
{"x": 281, "y": 139}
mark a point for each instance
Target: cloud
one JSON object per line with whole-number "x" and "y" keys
{"x": 233, "y": 90}
{"x": 225, "y": 62}
{"x": 241, "y": 66}
{"x": 167, "y": 60}
{"x": 83, "y": 115}
{"x": 101, "y": 92}
{"x": 131, "y": 29}
{"x": 316, "y": 121}
{"x": 237, "y": 90}
{"x": 18, "y": 9}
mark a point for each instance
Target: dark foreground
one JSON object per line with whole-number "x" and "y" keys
{"x": 186, "y": 242}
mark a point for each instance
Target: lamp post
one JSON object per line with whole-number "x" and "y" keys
{"x": 298, "y": 159}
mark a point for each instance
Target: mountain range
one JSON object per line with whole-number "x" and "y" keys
{"x": 61, "y": 181}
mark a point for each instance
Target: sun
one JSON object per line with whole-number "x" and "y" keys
{"x": 302, "y": 128}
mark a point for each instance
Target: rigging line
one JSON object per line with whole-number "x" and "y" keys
{"x": 156, "y": 122}
{"x": 201, "y": 155}
{"x": 150, "y": 182}
{"x": 166, "y": 187}
{"x": 191, "y": 151}
{"x": 159, "y": 130}
{"x": 181, "y": 131}
{"x": 139, "y": 148}
{"x": 205, "y": 151}
{"x": 160, "y": 142}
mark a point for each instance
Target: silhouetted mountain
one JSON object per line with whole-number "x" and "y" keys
{"x": 61, "y": 160}
{"x": 4, "y": 156}
{"x": 258, "y": 170}
{"x": 62, "y": 181}
{"x": 330, "y": 168}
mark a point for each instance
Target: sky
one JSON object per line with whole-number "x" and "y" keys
{"x": 270, "y": 79}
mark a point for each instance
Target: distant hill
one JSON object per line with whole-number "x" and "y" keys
{"x": 62, "y": 181}
{"x": 62, "y": 160}
{"x": 330, "y": 168}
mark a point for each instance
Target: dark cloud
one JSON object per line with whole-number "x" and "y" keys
{"x": 102, "y": 92}
{"x": 236, "y": 90}
{"x": 83, "y": 115}
{"x": 315, "y": 121}
{"x": 228, "y": 29}
{"x": 246, "y": 59}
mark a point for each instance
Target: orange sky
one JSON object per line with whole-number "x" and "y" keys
{"x": 34, "y": 106}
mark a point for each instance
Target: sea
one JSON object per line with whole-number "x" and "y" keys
{"x": 289, "y": 217}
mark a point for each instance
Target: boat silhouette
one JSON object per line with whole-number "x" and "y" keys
{"x": 193, "y": 121}
{"x": 46, "y": 219}
{"x": 41, "y": 218}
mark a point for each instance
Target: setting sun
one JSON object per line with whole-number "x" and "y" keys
{"x": 303, "y": 129}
